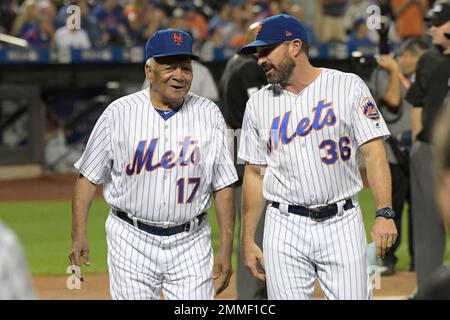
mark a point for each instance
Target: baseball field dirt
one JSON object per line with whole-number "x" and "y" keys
{"x": 95, "y": 286}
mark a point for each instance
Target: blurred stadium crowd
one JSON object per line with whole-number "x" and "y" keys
{"x": 213, "y": 23}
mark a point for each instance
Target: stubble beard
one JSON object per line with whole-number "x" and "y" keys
{"x": 282, "y": 73}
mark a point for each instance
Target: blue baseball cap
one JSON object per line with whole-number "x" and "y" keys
{"x": 169, "y": 42}
{"x": 276, "y": 29}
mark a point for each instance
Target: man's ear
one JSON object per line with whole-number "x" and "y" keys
{"x": 148, "y": 73}
{"x": 296, "y": 47}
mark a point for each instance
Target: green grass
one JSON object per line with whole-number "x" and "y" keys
{"x": 44, "y": 231}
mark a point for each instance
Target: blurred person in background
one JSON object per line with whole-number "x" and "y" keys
{"x": 299, "y": 12}
{"x": 439, "y": 286}
{"x": 356, "y": 10}
{"x": 241, "y": 78}
{"x": 331, "y": 16}
{"x": 427, "y": 94}
{"x": 8, "y": 12}
{"x": 15, "y": 281}
{"x": 409, "y": 16}
{"x": 88, "y": 23}
{"x": 359, "y": 36}
{"x": 66, "y": 38}
{"x": 113, "y": 24}
{"x": 34, "y": 23}
{"x": 144, "y": 19}
{"x": 389, "y": 83}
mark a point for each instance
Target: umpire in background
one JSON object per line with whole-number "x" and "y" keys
{"x": 439, "y": 285}
{"x": 427, "y": 96}
{"x": 389, "y": 83}
{"x": 241, "y": 78}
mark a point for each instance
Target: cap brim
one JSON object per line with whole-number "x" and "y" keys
{"x": 184, "y": 54}
{"x": 252, "y": 46}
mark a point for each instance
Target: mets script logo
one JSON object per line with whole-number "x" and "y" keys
{"x": 370, "y": 110}
{"x": 177, "y": 38}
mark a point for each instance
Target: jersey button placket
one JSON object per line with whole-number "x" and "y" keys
{"x": 166, "y": 188}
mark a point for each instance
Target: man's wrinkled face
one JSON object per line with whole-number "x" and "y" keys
{"x": 170, "y": 78}
{"x": 276, "y": 63}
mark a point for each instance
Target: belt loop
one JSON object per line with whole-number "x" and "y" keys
{"x": 284, "y": 208}
{"x": 340, "y": 207}
{"x": 193, "y": 224}
{"x": 135, "y": 221}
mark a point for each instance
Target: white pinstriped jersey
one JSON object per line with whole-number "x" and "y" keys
{"x": 162, "y": 172}
{"x": 310, "y": 141}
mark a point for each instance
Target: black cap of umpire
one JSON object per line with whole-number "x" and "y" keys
{"x": 440, "y": 13}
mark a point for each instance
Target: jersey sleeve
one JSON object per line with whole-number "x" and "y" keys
{"x": 252, "y": 147}
{"x": 96, "y": 161}
{"x": 224, "y": 172}
{"x": 367, "y": 121}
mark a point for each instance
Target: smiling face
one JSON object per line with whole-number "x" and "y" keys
{"x": 170, "y": 79}
{"x": 276, "y": 63}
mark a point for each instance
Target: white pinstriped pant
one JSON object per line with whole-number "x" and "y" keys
{"x": 142, "y": 265}
{"x": 297, "y": 250}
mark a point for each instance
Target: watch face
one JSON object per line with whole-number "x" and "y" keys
{"x": 388, "y": 213}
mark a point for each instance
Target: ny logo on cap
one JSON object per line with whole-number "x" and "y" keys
{"x": 177, "y": 38}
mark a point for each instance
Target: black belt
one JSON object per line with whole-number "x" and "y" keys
{"x": 160, "y": 231}
{"x": 321, "y": 213}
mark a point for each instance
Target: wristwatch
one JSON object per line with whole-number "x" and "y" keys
{"x": 387, "y": 213}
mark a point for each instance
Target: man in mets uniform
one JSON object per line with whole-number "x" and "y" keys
{"x": 307, "y": 129}
{"x": 161, "y": 154}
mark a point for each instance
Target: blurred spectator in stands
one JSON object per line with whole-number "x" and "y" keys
{"x": 296, "y": 10}
{"x": 88, "y": 23}
{"x": 242, "y": 17}
{"x": 8, "y": 12}
{"x": 144, "y": 19}
{"x": 309, "y": 12}
{"x": 409, "y": 16}
{"x": 112, "y": 23}
{"x": 331, "y": 16}
{"x": 35, "y": 23}
{"x": 357, "y": 10}
{"x": 221, "y": 23}
{"x": 197, "y": 23}
{"x": 66, "y": 38}
{"x": 359, "y": 37}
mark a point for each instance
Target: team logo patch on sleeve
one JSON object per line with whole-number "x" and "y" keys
{"x": 370, "y": 110}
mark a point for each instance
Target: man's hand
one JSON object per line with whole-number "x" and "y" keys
{"x": 78, "y": 253}
{"x": 222, "y": 271}
{"x": 388, "y": 63}
{"x": 384, "y": 233}
{"x": 253, "y": 259}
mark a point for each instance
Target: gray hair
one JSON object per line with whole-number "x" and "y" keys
{"x": 151, "y": 62}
